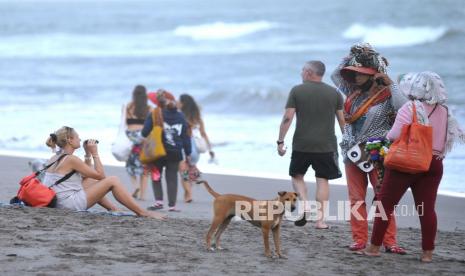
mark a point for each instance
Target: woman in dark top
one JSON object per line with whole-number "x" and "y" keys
{"x": 175, "y": 140}
{"x": 136, "y": 111}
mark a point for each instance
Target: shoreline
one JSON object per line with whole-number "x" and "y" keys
{"x": 61, "y": 242}
{"x": 212, "y": 171}
{"x": 449, "y": 209}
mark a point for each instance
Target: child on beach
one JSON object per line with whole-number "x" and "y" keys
{"x": 88, "y": 183}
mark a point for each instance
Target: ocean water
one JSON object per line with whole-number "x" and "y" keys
{"x": 76, "y": 62}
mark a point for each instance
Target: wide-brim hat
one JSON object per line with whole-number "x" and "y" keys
{"x": 348, "y": 72}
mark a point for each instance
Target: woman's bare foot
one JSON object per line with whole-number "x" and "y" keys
{"x": 427, "y": 256}
{"x": 321, "y": 225}
{"x": 372, "y": 251}
{"x": 153, "y": 214}
{"x": 187, "y": 197}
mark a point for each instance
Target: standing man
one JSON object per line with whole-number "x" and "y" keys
{"x": 314, "y": 143}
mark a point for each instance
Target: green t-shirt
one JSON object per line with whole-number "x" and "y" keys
{"x": 316, "y": 104}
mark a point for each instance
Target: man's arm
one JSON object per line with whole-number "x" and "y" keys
{"x": 340, "y": 119}
{"x": 284, "y": 127}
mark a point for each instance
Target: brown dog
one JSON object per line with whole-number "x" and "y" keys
{"x": 266, "y": 214}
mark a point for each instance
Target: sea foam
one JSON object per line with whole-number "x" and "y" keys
{"x": 222, "y": 30}
{"x": 385, "y": 35}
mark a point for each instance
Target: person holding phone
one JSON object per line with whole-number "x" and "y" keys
{"x": 86, "y": 183}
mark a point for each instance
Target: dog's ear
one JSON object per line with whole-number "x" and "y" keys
{"x": 282, "y": 193}
{"x": 296, "y": 194}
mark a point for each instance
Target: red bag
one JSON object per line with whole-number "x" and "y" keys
{"x": 413, "y": 151}
{"x": 34, "y": 193}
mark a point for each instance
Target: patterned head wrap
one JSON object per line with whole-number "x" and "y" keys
{"x": 364, "y": 55}
{"x": 425, "y": 86}
{"x": 428, "y": 87}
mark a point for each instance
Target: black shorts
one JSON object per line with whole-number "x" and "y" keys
{"x": 325, "y": 164}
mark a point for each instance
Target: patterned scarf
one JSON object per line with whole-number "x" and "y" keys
{"x": 374, "y": 99}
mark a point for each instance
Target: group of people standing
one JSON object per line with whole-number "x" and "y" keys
{"x": 374, "y": 106}
{"x": 367, "y": 104}
{"x": 182, "y": 124}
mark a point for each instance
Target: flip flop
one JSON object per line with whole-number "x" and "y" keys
{"x": 301, "y": 222}
{"x": 323, "y": 228}
{"x": 173, "y": 209}
{"x": 395, "y": 249}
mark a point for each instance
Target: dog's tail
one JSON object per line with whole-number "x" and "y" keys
{"x": 209, "y": 189}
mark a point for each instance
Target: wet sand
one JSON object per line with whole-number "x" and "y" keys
{"x": 60, "y": 242}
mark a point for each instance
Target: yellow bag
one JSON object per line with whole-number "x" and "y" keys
{"x": 153, "y": 148}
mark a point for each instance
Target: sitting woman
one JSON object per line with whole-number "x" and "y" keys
{"x": 88, "y": 184}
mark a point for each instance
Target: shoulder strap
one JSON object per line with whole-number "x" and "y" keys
{"x": 157, "y": 117}
{"x": 431, "y": 113}
{"x": 447, "y": 124}
{"x": 51, "y": 164}
{"x": 64, "y": 178}
{"x": 414, "y": 113}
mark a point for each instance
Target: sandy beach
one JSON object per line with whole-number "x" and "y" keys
{"x": 60, "y": 242}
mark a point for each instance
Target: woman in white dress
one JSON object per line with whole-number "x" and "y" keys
{"x": 88, "y": 184}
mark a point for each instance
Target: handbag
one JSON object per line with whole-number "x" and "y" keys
{"x": 360, "y": 158}
{"x": 35, "y": 194}
{"x": 152, "y": 147}
{"x": 121, "y": 147}
{"x": 413, "y": 151}
{"x": 200, "y": 144}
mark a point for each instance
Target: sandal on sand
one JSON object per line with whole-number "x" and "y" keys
{"x": 323, "y": 228}
{"x": 173, "y": 209}
{"x": 156, "y": 206}
{"x": 358, "y": 246}
{"x": 395, "y": 249}
{"x": 301, "y": 222}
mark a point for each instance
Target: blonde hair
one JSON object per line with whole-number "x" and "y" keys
{"x": 60, "y": 137}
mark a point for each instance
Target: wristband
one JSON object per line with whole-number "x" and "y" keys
{"x": 279, "y": 142}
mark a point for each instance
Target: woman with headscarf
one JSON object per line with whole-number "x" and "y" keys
{"x": 428, "y": 93}
{"x": 175, "y": 139}
{"x": 369, "y": 109}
